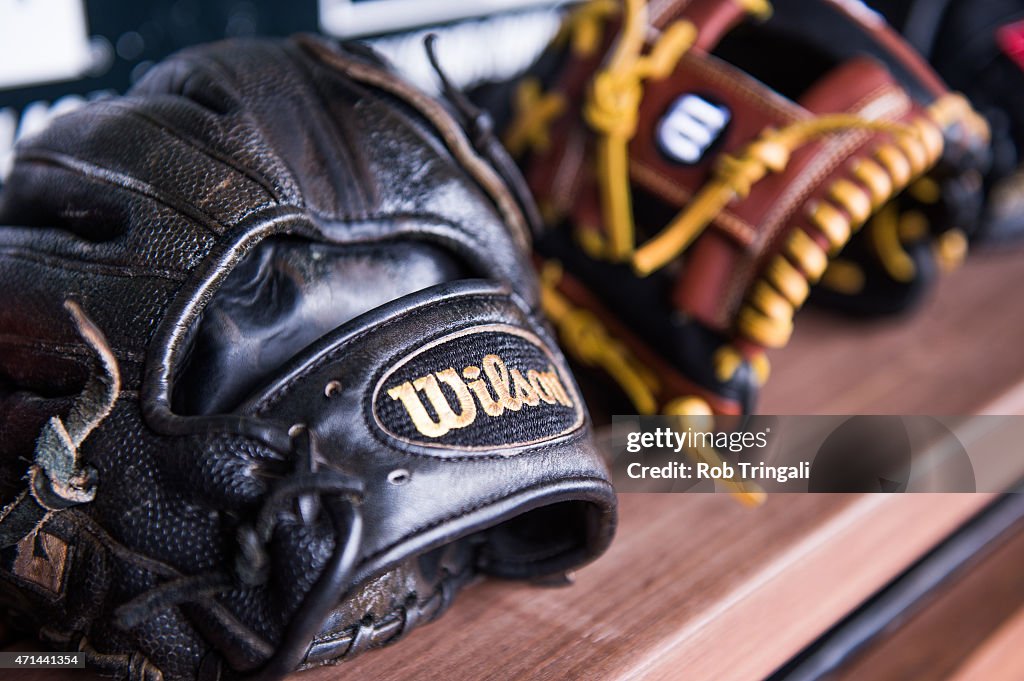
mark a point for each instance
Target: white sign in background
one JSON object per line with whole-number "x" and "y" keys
{"x": 43, "y": 41}
{"x": 353, "y": 18}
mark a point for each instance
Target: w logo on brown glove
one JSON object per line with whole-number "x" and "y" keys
{"x": 691, "y": 127}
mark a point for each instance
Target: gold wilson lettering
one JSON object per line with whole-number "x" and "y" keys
{"x": 495, "y": 387}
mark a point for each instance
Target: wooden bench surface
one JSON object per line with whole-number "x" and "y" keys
{"x": 698, "y": 587}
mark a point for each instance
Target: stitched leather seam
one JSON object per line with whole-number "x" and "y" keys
{"x": 356, "y": 198}
{"x": 273, "y": 398}
{"x": 82, "y": 265}
{"x": 396, "y": 614}
{"x": 738, "y": 82}
{"x": 206, "y": 149}
{"x": 727, "y": 221}
{"x": 100, "y": 173}
{"x": 61, "y": 349}
{"x": 558, "y": 442}
{"x": 449, "y": 130}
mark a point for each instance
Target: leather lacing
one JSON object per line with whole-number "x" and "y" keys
{"x": 337, "y": 494}
{"x": 593, "y": 345}
{"x": 765, "y": 318}
{"x": 374, "y": 632}
{"x": 58, "y": 480}
{"x": 67, "y": 483}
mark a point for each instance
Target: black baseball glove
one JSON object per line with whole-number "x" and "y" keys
{"x": 273, "y": 384}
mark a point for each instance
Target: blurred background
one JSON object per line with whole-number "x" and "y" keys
{"x": 56, "y": 54}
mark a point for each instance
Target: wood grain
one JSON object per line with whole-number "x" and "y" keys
{"x": 961, "y": 353}
{"x": 1000, "y": 657}
{"x": 966, "y": 629}
{"x": 695, "y": 587}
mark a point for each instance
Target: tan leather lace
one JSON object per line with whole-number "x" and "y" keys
{"x": 612, "y": 110}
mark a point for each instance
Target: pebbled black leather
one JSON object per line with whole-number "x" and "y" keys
{"x": 273, "y": 380}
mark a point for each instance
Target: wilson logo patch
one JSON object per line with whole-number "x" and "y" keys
{"x": 490, "y": 387}
{"x": 690, "y": 127}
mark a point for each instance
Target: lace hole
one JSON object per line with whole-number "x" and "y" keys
{"x": 332, "y": 388}
{"x": 399, "y": 476}
{"x": 296, "y": 429}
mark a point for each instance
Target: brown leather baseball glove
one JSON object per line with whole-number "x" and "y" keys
{"x": 701, "y": 164}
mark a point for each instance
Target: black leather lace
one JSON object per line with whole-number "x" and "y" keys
{"x": 329, "y": 491}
